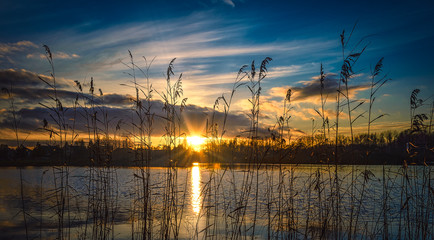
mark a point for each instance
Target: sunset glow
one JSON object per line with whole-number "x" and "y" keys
{"x": 93, "y": 45}
{"x": 196, "y": 142}
{"x": 216, "y": 119}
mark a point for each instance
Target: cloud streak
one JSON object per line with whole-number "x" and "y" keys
{"x": 210, "y": 43}
{"x": 194, "y": 120}
{"x": 310, "y": 91}
{"x": 56, "y": 55}
{"x": 229, "y": 2}
{"x": 26, "y": 80}
{"x": 28, "y": 90}
{"x": 8, "y": 48}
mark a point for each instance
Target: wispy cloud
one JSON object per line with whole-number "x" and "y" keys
{"x": 56, "y": 55}
{"x": 194, "y": 119}
{"x": 7, "y": 48}
{"x": 229, "y": 2}
{"x": 27, "y": 79}
{"x": 62, "y": 55}
{"x": 29, "y": 90}
{"x": 309, "y": 91}
{"x": 194, "y": 39}
{"x": 284, "y": 71}
{"x": 209, "y": 45}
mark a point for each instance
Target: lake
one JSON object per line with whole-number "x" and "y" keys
{"x": 214, "y": 201}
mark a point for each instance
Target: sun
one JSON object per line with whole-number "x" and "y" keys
{"x": 196, "y": 142}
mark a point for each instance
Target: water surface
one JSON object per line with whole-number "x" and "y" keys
{"x": 224, "y": 202}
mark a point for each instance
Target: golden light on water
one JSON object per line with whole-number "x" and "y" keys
{"x": 196, "y": 142}
{"x": 196, "y": 198}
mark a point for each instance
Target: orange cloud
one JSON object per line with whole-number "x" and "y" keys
{"x": 7, "y": 48}
{"x": 56, "y": 55}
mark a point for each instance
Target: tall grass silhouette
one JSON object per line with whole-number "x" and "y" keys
{"x": 245, "y": 197}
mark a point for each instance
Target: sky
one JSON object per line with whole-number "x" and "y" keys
{"x": 211, "y": 40}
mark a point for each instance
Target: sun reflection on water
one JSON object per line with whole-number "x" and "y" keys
{"x": 196, "y": 198}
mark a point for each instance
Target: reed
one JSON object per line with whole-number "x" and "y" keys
{"x": 15, "y": 123}
{"x": 172, "y": 100}
{"x": 376, "y": 84}
{"x": 144, "y": 125}
{"x": 61, "y": 177}
{"x": 321, "y": 114}
{"x": 212, "y": 189}
{"x": 283, "y": 201}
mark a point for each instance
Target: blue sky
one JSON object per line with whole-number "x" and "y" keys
{"x": 212, "y": 39}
